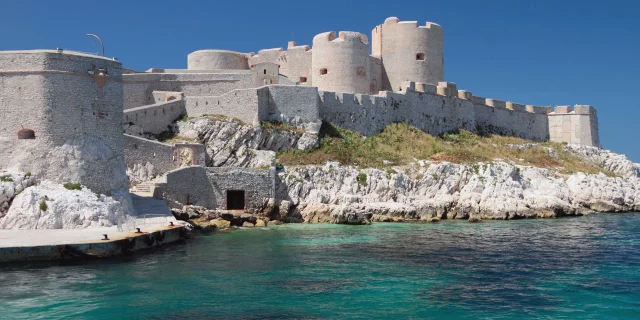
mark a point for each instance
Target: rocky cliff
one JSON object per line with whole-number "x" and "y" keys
{"x": 431, "y": 191}
{"x": 229, "y": 142}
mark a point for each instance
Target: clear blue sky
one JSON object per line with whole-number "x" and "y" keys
{"x": 533, "y": 52}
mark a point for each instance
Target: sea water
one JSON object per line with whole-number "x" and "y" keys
{"x": 585, "y": 267}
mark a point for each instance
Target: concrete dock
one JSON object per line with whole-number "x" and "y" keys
{"x": 157, "y": 226}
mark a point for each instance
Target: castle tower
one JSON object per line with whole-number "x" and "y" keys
{"x": 62, "y": 117}
{"x": 341, "y": 64}
{"x": 408, "y": 52}
{"x": 217, "y": 60}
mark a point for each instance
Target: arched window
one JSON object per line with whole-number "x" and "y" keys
{"x": 26, "y": 134}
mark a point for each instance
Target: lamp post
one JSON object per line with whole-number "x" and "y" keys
{"x": 93, "y": 35}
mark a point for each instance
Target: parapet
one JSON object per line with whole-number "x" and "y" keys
{"x": 499, "y": 104}
{"x": 343, "y": 36}
{"x": 562, "y": 109}
{"x": 577, "y": 109}
{"x": 515, "y": 106}
{"x": 448, "y": 89}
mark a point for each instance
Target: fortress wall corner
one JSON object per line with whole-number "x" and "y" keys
{"x": 577, "y": 126}
{"x": 73, "y": 105}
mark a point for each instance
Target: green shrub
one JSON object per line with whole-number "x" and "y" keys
{"x": 6, "y": 178}
{"x": 72, "y": 186}
{"x": 362, "y": 179}
{"x": 43, "y": 205}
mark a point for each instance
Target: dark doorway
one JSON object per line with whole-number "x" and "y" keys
{"x": 235, "y": 199}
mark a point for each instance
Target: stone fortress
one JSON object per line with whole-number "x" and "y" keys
{"x": 63, "y": 111}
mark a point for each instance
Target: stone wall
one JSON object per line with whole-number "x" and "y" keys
{"x": 70, "y": 104}
{"x": 207, "y": 187}
{"x": 258, "y": 185}
{"x": 147, "y": 159}
{"x": 435, "y": 110}
{"x": 577, "y": 126}
{"x": 295, "y": 105}
{"x": 247, "y": 105}
{"x": 155, "y": 118}
{"x": 190, "y": 186}
{"x": 139, "y": 87}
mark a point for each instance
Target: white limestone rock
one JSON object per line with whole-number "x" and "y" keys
{"x": 65, "y": 209}
{"x": 613, "y": 162}
{"x": 11, "y": 184}
{"x": 229, "y": 142}
{"x": 450, "y": 191}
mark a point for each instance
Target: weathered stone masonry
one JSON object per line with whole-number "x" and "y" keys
{"x": 68, "y": 106}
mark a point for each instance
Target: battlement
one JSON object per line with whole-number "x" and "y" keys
{"x": 577, "y": 109}
{"x": 343, "y": 36}
{"x": 293, "y": 46}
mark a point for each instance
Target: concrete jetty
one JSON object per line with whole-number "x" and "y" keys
{"x": 156, "y": 224}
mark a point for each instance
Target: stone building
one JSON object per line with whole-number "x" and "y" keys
{"x": 62, "y": 117}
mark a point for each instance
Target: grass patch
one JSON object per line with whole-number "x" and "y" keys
{"x": 6, "y": 178}
{"x": 401, "y": 143}
{"x": 72, "y": 186}
{"x": 280, "y": 126}
{"x": 43, "y": 206}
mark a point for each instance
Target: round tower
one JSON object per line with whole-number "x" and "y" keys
{"x": 62, "y": 117}
{"x": 409, "y": 52}
{"x": 217, "y": 60}
{"x": 341, "y": 64}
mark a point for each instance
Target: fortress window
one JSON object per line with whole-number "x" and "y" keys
{"x": 420, "y": 56}
{"x": 303, "y": 79}
{"x": 323, "y": 71}
{"x": 26, "y": 134}
{"x": 265, "y": 71}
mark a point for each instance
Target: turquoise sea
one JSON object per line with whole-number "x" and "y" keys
{"x": 572, "y": 268}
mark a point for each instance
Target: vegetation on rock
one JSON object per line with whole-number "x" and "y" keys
{"x": 400, "y": 144}
{"x": 73, "y": 186}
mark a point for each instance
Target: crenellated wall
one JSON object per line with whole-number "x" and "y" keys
{"x": 578, "y": 126}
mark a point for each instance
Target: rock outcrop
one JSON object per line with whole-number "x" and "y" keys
{"x": 610, "y": 161}
{"x": 229, "y": 142}
{"x": 52, "y": 206}
{"x": 11, "y": 184}
{"x": 444, "y": 190}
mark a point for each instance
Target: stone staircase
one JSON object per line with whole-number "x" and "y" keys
{"x": 150, "y": 189}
